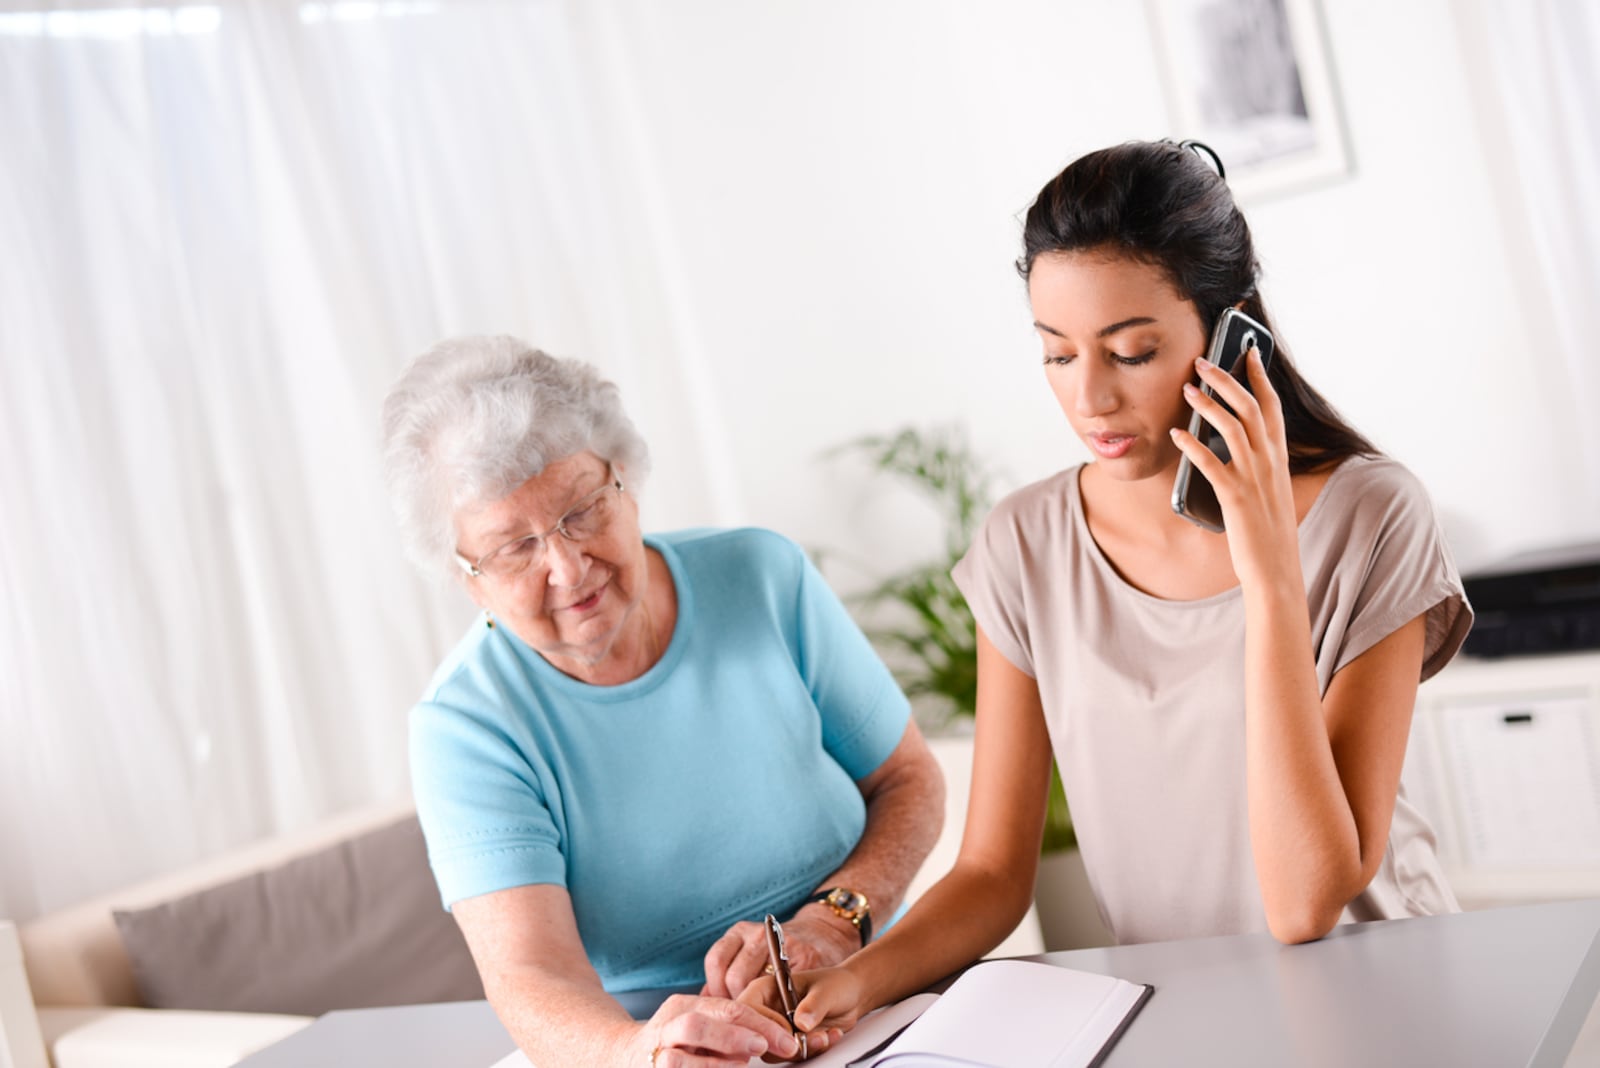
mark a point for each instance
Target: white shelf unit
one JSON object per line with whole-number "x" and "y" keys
{"x": 1505, "y": 760}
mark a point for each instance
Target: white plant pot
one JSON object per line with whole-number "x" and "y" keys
{"x": 1068, "y": 915}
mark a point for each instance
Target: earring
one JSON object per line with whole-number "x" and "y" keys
{"x": 488, "y": 620}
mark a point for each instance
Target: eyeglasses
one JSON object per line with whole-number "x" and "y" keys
{"x": 588, "y": 517}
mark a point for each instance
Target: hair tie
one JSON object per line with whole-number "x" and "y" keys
{"x": 1205, "y": 152}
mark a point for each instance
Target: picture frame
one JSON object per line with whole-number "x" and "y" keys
{"x": 1275, "y": 122}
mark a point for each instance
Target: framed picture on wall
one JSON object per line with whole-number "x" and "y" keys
{"x": 1252, "y": 79}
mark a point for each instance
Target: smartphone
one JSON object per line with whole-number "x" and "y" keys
{"x": 1235, "y": 334}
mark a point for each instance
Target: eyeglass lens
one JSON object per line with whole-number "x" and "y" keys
{"x": 583, "y": 520}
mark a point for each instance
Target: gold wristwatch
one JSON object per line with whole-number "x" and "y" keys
{"x": 851, "y": 904}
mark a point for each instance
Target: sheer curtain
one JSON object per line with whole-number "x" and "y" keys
{"x": 1539, "y": 108}
{"x": 225, "y": 228}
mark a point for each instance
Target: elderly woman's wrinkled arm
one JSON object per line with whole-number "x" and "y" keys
{"x": 905, "y": 813}
{"x": 536, "y": 974}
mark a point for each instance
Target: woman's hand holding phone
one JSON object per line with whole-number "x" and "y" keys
{"x": 1254, "y": 488}
{"x": 1233, "y": 335}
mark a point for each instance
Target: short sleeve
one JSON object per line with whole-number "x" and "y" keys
{"x": 989, "y": 576}
{"x": 864, "y": 713}
{"x": 1407, "y": 571}
{"x": 486, "y": 820}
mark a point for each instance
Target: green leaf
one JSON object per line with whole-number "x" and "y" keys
{"x": 931, "y": 642}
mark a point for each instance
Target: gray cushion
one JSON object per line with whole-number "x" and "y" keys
{"x": 354, "y": 926}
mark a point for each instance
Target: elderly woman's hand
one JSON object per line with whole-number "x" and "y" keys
{"x": 739, "y": 957}
{"x": 700, "y": 1032}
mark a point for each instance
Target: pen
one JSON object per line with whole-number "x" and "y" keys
{"x": 778, "y": 958}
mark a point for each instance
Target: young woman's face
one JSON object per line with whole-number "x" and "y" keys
{"x": 1119, "y": 343}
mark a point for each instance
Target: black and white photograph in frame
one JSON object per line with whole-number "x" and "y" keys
{"x": 1251, "y": 78}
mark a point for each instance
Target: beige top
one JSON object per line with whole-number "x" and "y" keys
{"x": 1144, "y": 697}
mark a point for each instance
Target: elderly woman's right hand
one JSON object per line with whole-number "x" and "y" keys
{"x": 699, "y": 1032}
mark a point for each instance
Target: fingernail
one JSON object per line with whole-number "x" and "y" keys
{"x": 1173, "y": 431}
{"x": 755, "y": 1047}
{"x": 791, "y": 1046}
{"x": 1188, "y": 390}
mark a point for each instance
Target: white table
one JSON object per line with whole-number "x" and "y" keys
{"x": 1498, "y": 987}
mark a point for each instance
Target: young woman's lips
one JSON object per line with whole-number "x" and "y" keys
{"x": 1111, "y": 446}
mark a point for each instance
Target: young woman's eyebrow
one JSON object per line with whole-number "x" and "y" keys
{"x": 1137, "y": 320}
{"x": 1105, "y": 331}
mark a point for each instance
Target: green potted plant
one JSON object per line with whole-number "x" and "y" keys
{"x": 917, "y": 617}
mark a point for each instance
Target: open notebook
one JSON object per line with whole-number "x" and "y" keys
{"x": 998, "y": 1014}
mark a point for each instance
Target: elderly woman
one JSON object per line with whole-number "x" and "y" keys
{"x": 645, "y": 743}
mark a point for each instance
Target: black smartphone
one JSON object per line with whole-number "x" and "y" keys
{"x": 1235, "y": 334}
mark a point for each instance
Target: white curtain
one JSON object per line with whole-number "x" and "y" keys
{"x": 223, "y": 230}
{"x": 1539, "y": 110}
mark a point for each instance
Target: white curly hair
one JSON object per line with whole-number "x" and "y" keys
{"x": 473, "y": 418}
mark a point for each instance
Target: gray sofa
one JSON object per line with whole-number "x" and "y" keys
{"x": 203, "y": 966}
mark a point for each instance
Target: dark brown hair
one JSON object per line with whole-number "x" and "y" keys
{"x": 1160, "y": 203}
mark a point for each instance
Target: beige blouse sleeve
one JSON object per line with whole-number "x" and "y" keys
{"x": 1395, "y": 565}
{"x": 990, "y": 578}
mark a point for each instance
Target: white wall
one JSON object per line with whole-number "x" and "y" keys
{"x": 846, "y": 182}
{"x": 830, "y": 201}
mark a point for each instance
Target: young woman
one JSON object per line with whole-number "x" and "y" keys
{"x": 1229, "y": 711}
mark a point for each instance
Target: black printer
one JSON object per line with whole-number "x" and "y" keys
{"x": 1546, "y": 601}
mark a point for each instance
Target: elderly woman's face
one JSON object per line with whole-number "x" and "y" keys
{"x": 572, "y": 603}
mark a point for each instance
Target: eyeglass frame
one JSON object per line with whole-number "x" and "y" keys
{"x": 475, "y": 570}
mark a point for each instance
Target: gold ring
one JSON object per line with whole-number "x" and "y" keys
{"x": 653, "y": 1055}
{"x": 769, "y": 970}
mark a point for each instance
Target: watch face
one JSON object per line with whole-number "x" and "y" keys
{"x": 848, "y": 900}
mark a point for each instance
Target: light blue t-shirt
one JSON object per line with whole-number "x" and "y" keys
{"x": 716, "y": 787}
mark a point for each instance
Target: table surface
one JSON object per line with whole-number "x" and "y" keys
{"x": 1507, "y": 986}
